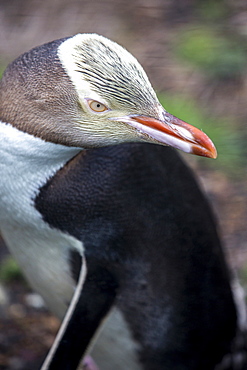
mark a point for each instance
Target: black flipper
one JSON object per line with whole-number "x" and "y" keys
{"x": 91, "y": 302}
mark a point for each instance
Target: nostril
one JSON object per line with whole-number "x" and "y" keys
{"x": 166, "y": 116}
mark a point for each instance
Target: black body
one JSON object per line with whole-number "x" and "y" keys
{"x": 151, "y": 249}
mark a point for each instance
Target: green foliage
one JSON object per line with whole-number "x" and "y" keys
{"x": 217, "y": 56}
{"x": 2, "y": 68}
{"x": 9, "y": 270}
{"x": 228, "y": 141}
{"x": 213, "y": 10}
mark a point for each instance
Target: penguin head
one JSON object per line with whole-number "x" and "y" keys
{"x": 87, "y": 91}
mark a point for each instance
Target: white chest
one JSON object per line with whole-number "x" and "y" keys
{"x": 26, "y": 163}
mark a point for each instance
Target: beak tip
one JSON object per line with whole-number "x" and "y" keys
{"x": 214, "y": 155}
{"x": 203, "y": 145}
{"x": 212, "y": 152}
{"x": 208, "y": 151}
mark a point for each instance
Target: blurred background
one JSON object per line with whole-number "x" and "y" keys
{"x": 195, "y": 54}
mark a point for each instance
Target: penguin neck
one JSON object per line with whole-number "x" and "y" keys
{"x": 27, "y": 162}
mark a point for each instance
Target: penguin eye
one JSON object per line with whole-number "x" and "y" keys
{"x": 97, "y": 106}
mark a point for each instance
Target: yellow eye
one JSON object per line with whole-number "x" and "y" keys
{"x": 97, "y": 106}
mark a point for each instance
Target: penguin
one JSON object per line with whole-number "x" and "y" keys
{"x": 105, "y": 219}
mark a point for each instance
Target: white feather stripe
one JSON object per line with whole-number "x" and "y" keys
{"x": 26, "y": 164}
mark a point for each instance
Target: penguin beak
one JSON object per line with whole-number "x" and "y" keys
{"x": 173, "y": 132}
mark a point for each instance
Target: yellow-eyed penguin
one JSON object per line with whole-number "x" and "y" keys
{"x": 125, "y": 223}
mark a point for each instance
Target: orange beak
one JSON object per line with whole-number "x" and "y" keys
{"x": 173, "y": 132}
